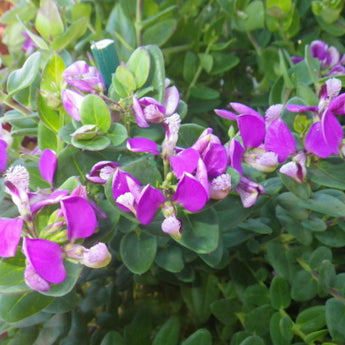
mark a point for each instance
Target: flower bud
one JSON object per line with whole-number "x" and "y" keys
{"x": 220, "y": 187}
{"x": 97, "y": 256}
{"x": 172, "y": 226}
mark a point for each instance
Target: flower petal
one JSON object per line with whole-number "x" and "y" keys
{"x": 46, "y": 257}
{"x": 332, "y": 132}
{"x": 190, "y": 193}
{"x": 150, "y": 200}
{"x": 10, "y": 232}
{"x": 142, "y": 145}
{"x": 252, "y": 129}
{"x": 171, "y": 100}
{"x": 279, "y": 139}
{"x": 184, "y": 161}
{"x": 236, "y": 152}
{"x": 33, "y": 280}
{"x": 80, "y": 217}
{"x": 71, "y": 101}
{"x": 216, "y": 160}
{"x": 138, "y": 113}
{"x": 47, "y": 165}
{"x": 41, "y": 199}
{"x": 315, "y": 141}
{"x": 3, "y": 155}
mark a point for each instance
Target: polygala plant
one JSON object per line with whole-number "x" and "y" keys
{"x": 172, "y": 173}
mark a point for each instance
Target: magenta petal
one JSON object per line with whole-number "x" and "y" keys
{"x": 120, "y": 183}
{"x": 47, "y": 165}
{"x": 46, "y": 257}
{"x": 337, "y": 105}
{"x": 139, "y": 114}
{"x": 243, "y": 109}
{"x": 101, "y": 171}
{"x": 315, "y": 142}
{"x": 3, "y": 155}
{"x": 39, "y": 200}
{"x": 295, "y": 108}
{"x": 236, "y": 152}
{"x": 71, "y": 101}
{"x": 10, "y": 232}
{"x": 148, "y": 204}
{"x": 80, "y": 217}
{"x": 226, "y": 114}
{"x": 190, "y": 193}
{"x": 142, "y": 145}
{"x": 185, "y": 161}
{"x": 252, "y": 129}
{"x": 332, "y": 132}
{"x": 280, "y": 140}
{"x": 216, "y": 160}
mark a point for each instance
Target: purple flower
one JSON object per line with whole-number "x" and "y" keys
{"x": 130, "y": 196}
{"x": 3, "y": 155}
{"x": 261, "y": 160}
{"x": 236, "y": 152}
{"x": 212, "y": 152}
{"x": 147, "y": 109}
{"x": 250, "y": 123}
{"x": 325, "y": 134}
{"x": 46, "y": 260}
{"x": 249, "y": 191}
{"x": 47, "y": 165}
{"x": 220, "y": 187}
{"x": 142, "y": 145}
{"x": 185, "y": 161}
{"x": 83, "y": 77}
{"x": 102, "y": 171}
{"x": 10, "y": 233}
{"x": 28, "y": 45}
{"x": 71, "y": 101}
{"x": 192, "y": 191}
{"x": 295, "y": 169}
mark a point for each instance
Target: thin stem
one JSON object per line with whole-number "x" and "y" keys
{"x": 138, "y": 22}
{"x": 14, "y": 105}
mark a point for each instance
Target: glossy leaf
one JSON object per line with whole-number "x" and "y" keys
{"x": 23, "y": 77}
{"x": 139, "y": 64}
{"x": 168, "y": 333}
{"x": 138, "y": 251}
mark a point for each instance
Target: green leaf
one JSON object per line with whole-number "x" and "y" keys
{"x": 328, "y": 172}
{"x": 49, "y": 116}
{"x": 76, "y": 30}
{"x": 126, "y": 79}
{"x": 117, "y": 134}
{"x": 206, "y": 61}
{"x": 200, "y": 337}
{"x": 276, "y": 256}
{"x": 333, "y": 237}
{"x": 281, "y": 329}
{"x": 170, "y": 258}
{"x": 188, "y": 134}
{"x": 253, "y": 340}
{"x": 169, "y": 332}
{"x": 204, "y": 92}
{"x": 200, "y": 231}
{"x": 190, "y": 66}
{"x": 324, "y": 203}
{"x": 318, "y": 255}
{"x": 46, "y": 138}
{"x": 159, "y": 32}
{"x": 335, "y": 319}
{"x": 157, "y": 72}
{"x": 225, "y": 310}
{"x": 12, "y": 276}
{"x": 95, "y": 112}
{"x": 52, "y": 74}
{"x": 95, "y": 144}
{"x": 200, "y": 296}
{"x": 14, "y": 308}
{"x": 256, "y": 225}
{"x": 48, "y": 20}
{"x": 280, "y": 293}
{"x": 23, "y": 77}
{"x": 143, "y": 169}
{"x": 257, "y": 319}
{"x": 223, "y": 62}
{"x": 311, "y": 319}
{"x": 327, "y": 276}
{"x": 139, "y": 64}
{"x": 301, "y": 190}
{"x": 303, "y": 286}
{"x": 121, "y": 27}
{"x": 138, "y": 251}
{"x": 112, "y": 338}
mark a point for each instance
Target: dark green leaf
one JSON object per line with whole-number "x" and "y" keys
{"x": 170, "y": 258}
{"x": 303, "y": 286}
{"x": 311, "y": 319}
{"x": 138, "y": 251}
{"x": 335, "y": 319}
{"x": 159, "y": 32}
{"x": 169, "y": 332}
{"x": 280, "y": 293}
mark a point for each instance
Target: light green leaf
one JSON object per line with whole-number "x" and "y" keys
{"x": 139, "y": 64}
{"x": 95, "y": 112}
{"x": 159, "y": 32}
{"x": 23, "y": 77}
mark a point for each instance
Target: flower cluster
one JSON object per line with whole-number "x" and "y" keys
{"x": 46, "y": 244}
{"x": 331, "y": 61}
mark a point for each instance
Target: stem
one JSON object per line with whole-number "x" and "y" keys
{"x": 254, "y": 43}
{"x": 138, "y": 20}
{"x": 14, "y": 105}
{"x": 177, "y": 49}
